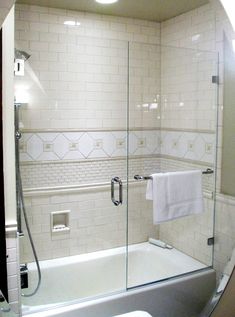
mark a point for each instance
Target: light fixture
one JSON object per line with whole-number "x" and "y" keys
{"x": 106, "y": 1}
{"x": 229, "y": 7}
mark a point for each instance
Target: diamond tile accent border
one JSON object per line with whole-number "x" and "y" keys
{"x": 46, "y": 146}
{"x": 60, "y": 146}
{"x": 188, "y": 145}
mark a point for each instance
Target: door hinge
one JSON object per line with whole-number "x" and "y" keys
{"x": 215, "y": 80}
{"x": 211, "y": 241}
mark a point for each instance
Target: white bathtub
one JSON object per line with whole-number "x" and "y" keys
{"x": 68, "y": 280}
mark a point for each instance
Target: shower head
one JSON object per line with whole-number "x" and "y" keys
{"x": 21, "y": 55}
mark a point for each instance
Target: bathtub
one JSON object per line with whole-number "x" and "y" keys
{"x": 89, "y": 278}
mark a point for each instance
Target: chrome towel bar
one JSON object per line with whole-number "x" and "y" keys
{"x": 146, "y": 178}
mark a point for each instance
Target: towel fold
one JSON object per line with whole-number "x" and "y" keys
{"x": 175, "y": 195}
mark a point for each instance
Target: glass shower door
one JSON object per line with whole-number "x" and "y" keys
{"x": 173, "y": 107}
{"x": 73, "y": 157}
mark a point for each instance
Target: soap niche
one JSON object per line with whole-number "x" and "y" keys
{"x": 60, "y": 221}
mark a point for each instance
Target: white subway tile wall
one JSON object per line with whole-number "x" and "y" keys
{"x": 12, "y": 270}
{"x": 95, "y": 223}
{"x": 224, "y": 232}
{"x": 188, "y": 96}
{"x": 194, "y": 29}
{"x": 144, "y": 85}
{"x": 78, "y": 74}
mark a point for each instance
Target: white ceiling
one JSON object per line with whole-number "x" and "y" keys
{"x": 153, "y": 10}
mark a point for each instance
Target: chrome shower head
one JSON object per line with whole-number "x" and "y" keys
{"x": 21, "y": 55}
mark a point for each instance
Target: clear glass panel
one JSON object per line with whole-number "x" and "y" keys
{"x": 173, "y": 123}
{"x": 73, "y": 121}
{"x": 224, "y": 206}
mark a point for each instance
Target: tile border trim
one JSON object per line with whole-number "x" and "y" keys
{"x": 120, "y": 158}
{"x": 117, "y": 130}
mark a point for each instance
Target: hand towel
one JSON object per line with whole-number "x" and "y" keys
{"x": 175, "y": 195}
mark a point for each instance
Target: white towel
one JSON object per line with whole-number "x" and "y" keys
{"x": 175, "y": 195}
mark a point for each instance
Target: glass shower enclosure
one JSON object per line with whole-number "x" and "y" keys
{"x": 94, "y": 113}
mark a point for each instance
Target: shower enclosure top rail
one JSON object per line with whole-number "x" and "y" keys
{"x": 145, "y": 178}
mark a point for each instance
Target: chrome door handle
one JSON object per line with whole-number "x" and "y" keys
{"x": 114, "y": 181}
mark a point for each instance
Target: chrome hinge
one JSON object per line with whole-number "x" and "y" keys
{"x": 215, "y": 80}
{"x": 211, "y": 241}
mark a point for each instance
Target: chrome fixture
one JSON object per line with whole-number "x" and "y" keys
{"x": 18, "y": 135}
{"x": 160, "y": 243}
{"x": 21, "y": 55}
{"x": 17, "y": 153}
{"x": 20, "y": 58}
{"x": 20, "y": 200}
{"x": 24, "y": 282}
{"x": 115, "y": 180}
{"x": 142, "y": 178}
{"x": 208, "y": 171}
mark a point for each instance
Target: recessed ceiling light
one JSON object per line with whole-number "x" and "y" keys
{"x": 106, "y": 1}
